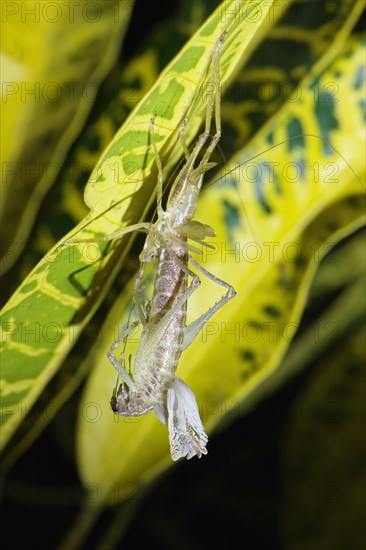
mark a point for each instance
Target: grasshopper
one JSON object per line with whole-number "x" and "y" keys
{"x": 153, "y": 384}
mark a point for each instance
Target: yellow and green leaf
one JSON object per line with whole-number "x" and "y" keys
{"x": 70, "y": 283}
{"x": 300, "y": 199}
{"x": 64, "y": 206}
{"x": 303, "y": 37}
{"x": 275, "y": 213}
{"x": 48, "y": 93}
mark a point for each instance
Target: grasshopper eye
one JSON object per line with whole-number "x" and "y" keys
{"x": 113, "y": 403}
{"x": 119, "y": 402}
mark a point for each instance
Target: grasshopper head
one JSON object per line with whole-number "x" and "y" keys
{"x": 127, "y": 403}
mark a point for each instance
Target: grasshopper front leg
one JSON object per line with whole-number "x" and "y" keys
{"x": 144, "y": 227}
{"x": 119, "y": 366}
